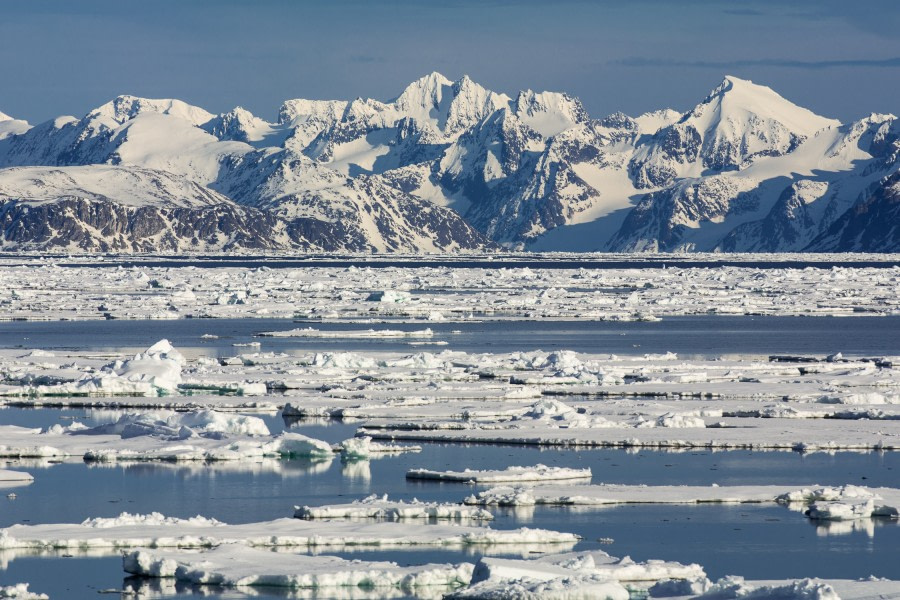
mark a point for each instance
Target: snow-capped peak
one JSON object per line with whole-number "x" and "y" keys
{"x": 238, "y": 124}
{"x": 425, "y": 92}
{"x": 471, "y": 103}
{"x": 124, "y": 108}
{"x": 739, "y": 100}
{"x": 549, "y": 113}
{"x": 299, "y": 110}
{"x": 11, "y": 126}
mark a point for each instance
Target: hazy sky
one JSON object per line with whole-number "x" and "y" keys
{"x": 837, "y": 57}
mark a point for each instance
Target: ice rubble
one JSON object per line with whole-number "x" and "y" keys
{"x": 375, "y": 507}
{"x": 38, "y": 288}
{"x": 157, "y": 531}
{"x": 241, "y": 566}
{"x": 537, "y": 473}
{"x": 593, "y": 574}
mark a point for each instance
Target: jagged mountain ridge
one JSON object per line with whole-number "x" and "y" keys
{"x": 450, "y": 165}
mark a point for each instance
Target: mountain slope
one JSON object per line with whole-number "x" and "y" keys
{"x": 451, "y": 165}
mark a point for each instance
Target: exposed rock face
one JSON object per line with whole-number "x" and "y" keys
{"x": 871, "y": 226}
{"x": 103, "y": 226}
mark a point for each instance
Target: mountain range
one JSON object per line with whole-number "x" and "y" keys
{"x": 452, "y": 166}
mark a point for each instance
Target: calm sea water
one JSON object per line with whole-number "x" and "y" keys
{"x": 689, "y": 336}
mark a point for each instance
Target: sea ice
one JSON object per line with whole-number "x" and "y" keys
{"x": 375, "y": 507}
{"x": 157, "y": 531}
{"x": 537, "y": 473}
{"x": 235, "y": 566}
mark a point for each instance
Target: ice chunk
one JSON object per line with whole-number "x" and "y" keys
{"x": 362, "y": 448}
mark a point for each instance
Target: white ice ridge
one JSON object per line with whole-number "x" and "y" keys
{"x": 309, "y": 332}
{"x": 537, "y": 474}
{"x": 241, "y": 566}
{"x": 143, "y": 437}
{"x": 39, "y": 288}
{"x": 8, "y": 476}
{"x": 379, "y": 507}
{"x": 574, "y": 575}
{"x": 157, "y": 531}
{"x": 20, "y": 592}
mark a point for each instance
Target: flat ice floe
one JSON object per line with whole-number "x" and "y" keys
{"x": 375, "y": 507}
{"x": 825, "y": 503}
{"x": 157, "y": 531}
{"x": 7, "y": 476}
{"x": 309, "y": 332}
{"x": 537, "y": 473}
{"x": 241, "y": 566}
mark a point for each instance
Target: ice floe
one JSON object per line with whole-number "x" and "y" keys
{"x": 238, "y": 566}
{"x": 158, "y": 531}
{"x": 7, "y": 476}
{"x": 593, "y": 574}
{"x": 379, "y": 507}
{"x": 149, "y": 437}
{"x": 363, "y": 448}
{"x": 537, "y": 473}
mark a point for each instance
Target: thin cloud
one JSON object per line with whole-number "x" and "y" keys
{"x": 882, "y": 63}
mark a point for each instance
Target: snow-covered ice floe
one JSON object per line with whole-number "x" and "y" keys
{"x": 537, "y": 474}
{"x": 375, "y": 507}
{"x": 310, "y": 332}
{"x": 737, "y": 588}
{"x": 241, "y": 566}
{"x": 593, "y": 574}
{"x": 825, "y": 503}
{"x": 157, "y": 531}
{"x": 191, "y": 436}
{"x": 363, "y": 448}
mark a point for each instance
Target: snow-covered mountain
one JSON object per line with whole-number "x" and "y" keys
{"x": 450, "y": 165}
